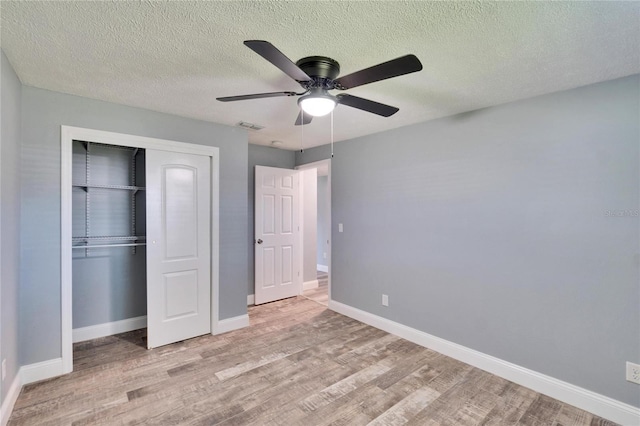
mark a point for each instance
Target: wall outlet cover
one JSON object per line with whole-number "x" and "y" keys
{"x": 633, "y": 372}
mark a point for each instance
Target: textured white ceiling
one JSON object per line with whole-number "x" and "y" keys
{"x": 177, "y": 57}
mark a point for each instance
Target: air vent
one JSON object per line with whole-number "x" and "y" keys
{"x": 250, "y": 126}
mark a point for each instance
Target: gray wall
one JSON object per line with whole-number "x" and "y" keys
{"x": 511, "y": 230}
{"x": 260, "y": 155}
{"x": 323, "y": 216}
{"x": 9, "y": 219}
{"x": 309, "y": 201}
{"x": 42, "y": 114}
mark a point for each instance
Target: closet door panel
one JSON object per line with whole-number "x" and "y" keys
{"x": 180, "y": 212}
{"x": 178, "y": 246}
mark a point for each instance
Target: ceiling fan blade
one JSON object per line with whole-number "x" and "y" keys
{"x": 256, "y": 96}
{"x": 367, "y": 105}
{"x": 277, "y": 58}
{"x": 303, "y": 118}
{"x": 393, "y": 68}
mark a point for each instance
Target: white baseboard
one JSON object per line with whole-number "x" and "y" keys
{"x": 108, "y": 328}
{"x": 10, "y": 399}
{"x": 230, "y": 324}
{"x": 251, "y": 300}
{"x": 41, "y": 371}
{"x": 593, "y": 402}
{"x": 308, "y": 285}
{"x": 322, "y": 268}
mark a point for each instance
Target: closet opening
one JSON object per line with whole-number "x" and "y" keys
{"x": 139, "y": 239}
{"x": 108, "y": 242}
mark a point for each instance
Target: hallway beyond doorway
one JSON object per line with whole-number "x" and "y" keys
{"x": 319, "y": 294}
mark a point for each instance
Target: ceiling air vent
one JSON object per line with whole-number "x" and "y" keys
{"x": 250, "y": 126}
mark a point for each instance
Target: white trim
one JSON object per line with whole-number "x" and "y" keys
{"x": 593, "y": 402}
{"x": 308, "y": 285}
{"x": 215, "y": 239}
{"x": 67, "y": 135}
{"x": 300, "y": 277}
{"x": 122, "y": 139}
{"x": 251, "y": 300}
{"x": 41, "y": 371}
{"x": 322, "y": 268}
{"x": 28, "y": 374}
{"x": 4, "y": 418}
{"x": 234, "y": 323}
{"x": 66, "y": 266}
{"x": 108, "y": 329}
{"x": 10, "y": 399}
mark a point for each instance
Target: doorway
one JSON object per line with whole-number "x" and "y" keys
{"x": 211, "y": 156}
{"x": 317, "y": 235}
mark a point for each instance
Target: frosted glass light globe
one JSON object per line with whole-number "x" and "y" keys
{"x": 317, "y": 105}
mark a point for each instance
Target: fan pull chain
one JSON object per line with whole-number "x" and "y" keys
{"x": 302, "y": 130}
{"x": 331, "y": 134}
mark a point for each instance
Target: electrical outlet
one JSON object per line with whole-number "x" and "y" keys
{"x": 4, "y": 368}
{"x": 633, "y": 372}
{"x": 385, "y": 300}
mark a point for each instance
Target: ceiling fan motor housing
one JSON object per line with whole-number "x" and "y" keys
{"x": 322, "y": 71}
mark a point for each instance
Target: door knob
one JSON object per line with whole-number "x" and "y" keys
{"x": 259, "y": 241}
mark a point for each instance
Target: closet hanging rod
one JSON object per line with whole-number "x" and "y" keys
{"x": 109, "y": 245}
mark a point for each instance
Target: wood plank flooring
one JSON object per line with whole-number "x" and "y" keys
{"x": 297, "y": 364}
{"x": 321, "y": 293}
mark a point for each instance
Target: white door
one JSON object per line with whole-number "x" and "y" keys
{"x": 178, "y": 246}
{"x": 277, "y": 234}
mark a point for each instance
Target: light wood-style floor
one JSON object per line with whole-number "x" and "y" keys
{"x": 297, "y": 364}
{"x": 321, "y": 293}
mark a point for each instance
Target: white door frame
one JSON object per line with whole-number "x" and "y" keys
{"x": 67, "y": 135}
{"x": 315, "y": 165}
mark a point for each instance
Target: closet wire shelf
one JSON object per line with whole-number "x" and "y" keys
{"x": 91, "y": 242}
{"x": 93, "y": 186}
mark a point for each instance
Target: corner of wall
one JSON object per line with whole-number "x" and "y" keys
{"x": 9, "y": 402}
{"x": 10, "y": 212}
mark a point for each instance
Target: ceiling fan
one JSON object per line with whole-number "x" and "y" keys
{"x": 317, "y": 75}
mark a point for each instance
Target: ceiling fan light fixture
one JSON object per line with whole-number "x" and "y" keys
{"x": 319, "y": 74}
{"x": 317, "y": 104}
